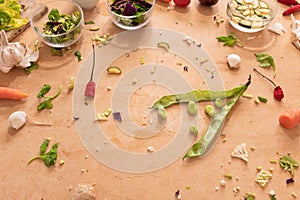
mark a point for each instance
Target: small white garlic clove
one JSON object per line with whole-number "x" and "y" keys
{"x": 17, "y": 119}
{"x": 234, "y": 61}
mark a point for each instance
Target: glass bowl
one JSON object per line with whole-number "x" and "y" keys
{"x": 59, "y": 32}
{"x": 251, "y": 15}
{"x": 130, "y": 14}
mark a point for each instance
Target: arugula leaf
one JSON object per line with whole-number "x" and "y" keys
{"x": 44, "y": 146}
{"x": 54, "y": 15}
{"x": 266, "y": 61}
{"x": 47, "y": 103}
{"x": 46, "y": 88}
{"x": 230, "y": 40}
{"x": 50, "y": 157}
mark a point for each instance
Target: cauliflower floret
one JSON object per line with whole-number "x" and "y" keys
{"x": 240, "y": 151}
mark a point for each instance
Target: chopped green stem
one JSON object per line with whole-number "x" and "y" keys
{"x": 196, "y": 96}
{"x": 201, "y": 147}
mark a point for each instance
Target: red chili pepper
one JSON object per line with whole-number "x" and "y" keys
{"x": 289, "y": 2}
{"x": 278, "y": 93}
{"x": 292, "y": 9}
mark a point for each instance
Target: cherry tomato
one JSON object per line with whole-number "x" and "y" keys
{"x": 182, "y": 3}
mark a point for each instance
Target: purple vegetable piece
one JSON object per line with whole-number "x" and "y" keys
{"x": 117, "y": 116}
{"x": 290, "y": 180}
{"x": 129, "y": 9}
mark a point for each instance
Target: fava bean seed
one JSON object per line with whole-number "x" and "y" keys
{"x": 193, "y": 130}
{"x": 192, "y": 108}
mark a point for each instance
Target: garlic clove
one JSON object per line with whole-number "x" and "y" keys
{"x": 17, "y": 119}
{"x": 234, "y": 61}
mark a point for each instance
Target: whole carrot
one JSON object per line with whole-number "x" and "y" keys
{"x": 289, "y": 2}
{"x": 292, "y": 9}
{"x": 290, "y": 119}
{"x": 11, "y": 93}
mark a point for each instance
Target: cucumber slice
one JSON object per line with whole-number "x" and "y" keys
{"x": 245, "y": 23}
{"x": 235, "y": 19}
{"x": 263, "y": 4}
{"x": 242, "y": 7}
{"x": 257, "y": 24}
{"x": 246, "y": 13}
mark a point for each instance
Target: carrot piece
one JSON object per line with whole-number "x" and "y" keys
{"x": 290, "y": 119}
{"x": 12, "y": 94}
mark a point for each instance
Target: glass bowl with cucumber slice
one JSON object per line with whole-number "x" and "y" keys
{"x": 251, "y": 15}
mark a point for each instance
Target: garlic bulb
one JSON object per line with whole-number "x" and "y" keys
{"x": 234, "y": 61}
{"x": 17, "y": 119}
{"x": 16, "y": 54}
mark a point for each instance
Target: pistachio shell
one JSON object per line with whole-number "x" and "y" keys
{"x": 17, "y": 119}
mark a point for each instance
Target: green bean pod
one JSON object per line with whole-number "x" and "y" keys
{"x": 202, "y": 146}
{"x": 196, "y": 96}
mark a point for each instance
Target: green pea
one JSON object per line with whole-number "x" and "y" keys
{"x": 219, "y": 103}
{"x": 192, "y": 108}
{"x": 193, "y": 130}
{"x": 210, "y": 110}
{"x": 162, "y": 113}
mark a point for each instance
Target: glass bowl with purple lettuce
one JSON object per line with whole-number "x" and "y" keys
{"x": 130, "y": 14}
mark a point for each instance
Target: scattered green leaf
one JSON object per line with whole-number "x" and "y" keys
{"x": 266, "y": 61}
{"x": 47, "y": 103}
{"x": 50, "y": 157}
{"x": 230, "y": 40}
{"x": 262, "y": 99}
{"x": 89, "y": 22}
{"x": 33, "y": 66}
{"x": 78, "y": 55}
{"x": 45, "y": 89}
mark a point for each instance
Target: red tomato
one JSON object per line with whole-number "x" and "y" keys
{"x": 182, "y": 3}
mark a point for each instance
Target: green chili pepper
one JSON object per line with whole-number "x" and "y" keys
{"x": 196, "y": 96}
{"x": 201, "y": 147}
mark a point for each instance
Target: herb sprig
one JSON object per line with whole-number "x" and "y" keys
{"x": 230, "y": 40}
{"x": 265, "y": 61}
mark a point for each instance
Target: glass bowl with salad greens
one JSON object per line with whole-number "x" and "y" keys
{"x": 251, "y": 16}
{"x": 61, "y": 25}
{"x": 130, "y": 14}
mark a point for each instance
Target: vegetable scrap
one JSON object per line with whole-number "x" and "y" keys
{"x": 202, "y": 146}
{"x": 78, "y": 55}
{"x": 11, "y": 15}
{"x": 185, "y": 68}
{"x": 33, "y": 66}
{"x": 241, "y": 152}
{"x": 89, "y": 22}
{"x": 262, "y": 99}
{"x": 218, "y": 19}
{"x": 113, "y": 70}
{"x": 233, "y": 61}
{"x": 12, "y": 94}
{"x": 250, "y": 196}
{"x": 277, "y": 28}
{"x": 163, "y": 45}
{"x": 71, "y": 83}
{"x": 263, "y": 177}
{"x": 117, "y": 116}
{"x": 15, "y": 54}
{"x": 288, "y": 163}
{"x": 103, "y": 116}
{"x": 91, "y": 85}
{"x": 230, "y": 40}
{"x": 210, "y": 110}
{"x": 290, "y": 180}
{"x": 84, "y": 191}
{"x": 188, "y": 40}
{"x": 272, "y": 195}
{"x": 102, "y": 40}
{"x": 50, "y": 157}
{"x": 162, "y": 113}
{"x": 94, "y": 28}
{"x": 178, "y": 195}
{"x": 290, "y": 119}
{"x": 278, "y": 92}
{"x": 45, "y": 89}
{"x": 47, "y": 103}
{"x": 150, "y": 149}
{"x": 265, "y": 61}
